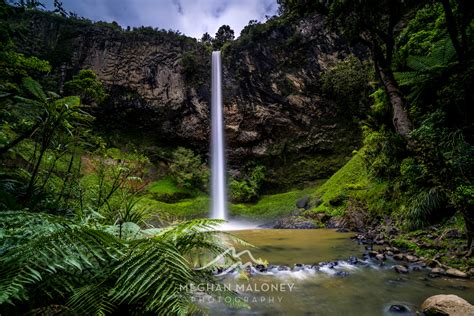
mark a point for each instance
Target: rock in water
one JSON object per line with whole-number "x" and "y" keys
{"x": 398, "y": 309}
{"x": 451, "y": 305}
{"x": 455, "y": 273}
{"x": 400, "y": 269}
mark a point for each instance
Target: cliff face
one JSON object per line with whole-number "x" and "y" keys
{"x": 159, "y": 84}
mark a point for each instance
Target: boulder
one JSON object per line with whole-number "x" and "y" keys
{"x": 451, "y": 305}
{"x": 303, "y": 202}
{"x": 398, "y": 256}
{"x": 455, "y": 273}
{"x": 411, "y": 258}
{"x": 401, "y": 269}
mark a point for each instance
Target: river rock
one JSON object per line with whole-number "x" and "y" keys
{"x": 438, "y": 271}
{"x": 380, "y": 257}
{"x": 373, "y": 253}
{"x": 398, "y": 309}
{"x": 455, "y": 273}
{"x": 411, "y": 258}
{"x": 398, "y": 256}
{"x": 451, "y": 305}
{"x": 400, "y": 269}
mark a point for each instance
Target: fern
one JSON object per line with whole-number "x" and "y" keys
{"x": 47, "y": 257}
{"x": 425, "y": 70}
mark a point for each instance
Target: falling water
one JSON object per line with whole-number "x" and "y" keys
{"x": 218, "y": 183}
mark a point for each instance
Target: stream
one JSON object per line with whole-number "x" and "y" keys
{"x": 325, "y": 281}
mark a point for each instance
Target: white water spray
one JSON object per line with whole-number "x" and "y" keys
{"x": 218, "y": 183}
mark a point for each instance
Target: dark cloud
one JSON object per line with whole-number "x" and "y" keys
{"x": 191, "y": 17}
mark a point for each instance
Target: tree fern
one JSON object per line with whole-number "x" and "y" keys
{"x": 425, "y": 70}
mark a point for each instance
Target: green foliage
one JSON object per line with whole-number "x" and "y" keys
{"x": 188, "y": 170}
{"x": 422, "y": 31}
{"x": 87, "y": 86}
{"x": 224, "y": 34}
{"x": 247, "y": 189}
{"x": 427, "y": 70}
{"x": 191, "y": 67}
{"x": 96, "y": 272}
{"x": 166, "y": 190}
{"x": 347, "y": 83}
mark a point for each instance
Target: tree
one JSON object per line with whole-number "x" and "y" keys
{"x": 224, "y": 34}
{"x": 87, "y": 86}
{"x": 206, "y": 38}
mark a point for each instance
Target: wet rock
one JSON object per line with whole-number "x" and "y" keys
{"x": 455, "y": 273}
{"x": 353, "y": 260}
{"x": 395, "y": 250}
{"x": 389, "y": 253}
{"x": 373, "y": 253}
{"x": 438, "y": 271}
{"x": 416, "y": 268}
{"x": 380, "y": 242}
{"x": 295, "y": 222}
{"x": 260, "y": 268}
{"x": 283, "y": 268}
{"x": 398, "y": 256}
{"x": 315, "y": 267}
{"x": 401, "y": 269}
{"x": 398, "y": 309}
{"x": 369, "y": 247}
{"x": 341, "y": 273}
{"x": 411, "y": 258}
{"x": 303, "y": 202}
{"x": 451, "y": 305}
{"x": 380, "y": 257}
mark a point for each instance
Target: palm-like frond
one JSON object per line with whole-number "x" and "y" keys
{"x": 426, "y": 69}
{"x": 98, "y": 272}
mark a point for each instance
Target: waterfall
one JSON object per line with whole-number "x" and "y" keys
{"x": 218, "y": 183}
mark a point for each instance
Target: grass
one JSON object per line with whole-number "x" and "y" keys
{"x": 165, "y": 186}
{"x": 269, "y": 206}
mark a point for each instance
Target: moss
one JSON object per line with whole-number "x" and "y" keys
{"x": 404, "y": 244}
{"x": 353, "y": 181}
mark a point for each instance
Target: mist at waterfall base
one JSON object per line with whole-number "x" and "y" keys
{"x": 219, "y": 208}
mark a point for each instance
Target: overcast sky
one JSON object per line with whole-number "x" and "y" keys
{"x": 190, "y": 17}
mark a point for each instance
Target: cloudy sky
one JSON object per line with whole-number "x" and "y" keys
{"x": 191, "y": 17}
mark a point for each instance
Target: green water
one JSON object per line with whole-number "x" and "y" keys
{"x": 367, "y": 290}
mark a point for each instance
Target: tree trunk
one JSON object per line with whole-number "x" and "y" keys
{"x": 468, "y": 216}
{"x": 400, "y": 119}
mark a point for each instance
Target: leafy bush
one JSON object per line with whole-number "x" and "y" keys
{"x": 347, "y": 83}
{"x": 188, "y": 170}
{"x": 247, "y": 189}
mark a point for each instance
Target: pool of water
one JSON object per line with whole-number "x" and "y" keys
{"x": 366, "y": 288}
